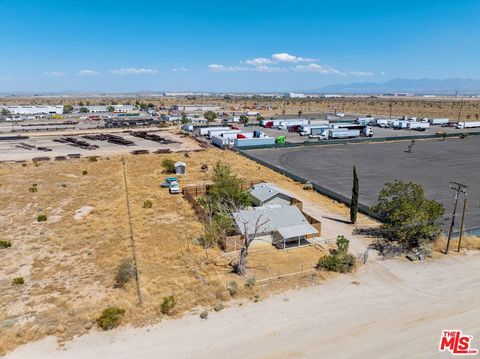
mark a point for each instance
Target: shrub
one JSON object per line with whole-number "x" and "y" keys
{"x": 232, "y": 287}
{"x": 111, "y": 318}
{"x": 251, "y": 282}
{"x": 34, "y": 188}
{"x": 41, "y": 218}
{"x": 5, "y": 244}
{"x": 168, "y": 304}
{"x": 168, "y": 165}
{"x": 85, "y": 172}
{"x": 93, "y": 158}
{"x": 24, "y": 165}
{"x": 204, "y": 314}
{"x": 125, "y": 272}
{"x": 339, "y": 260}
{"x": 218, "y": 307}
{"x": 147, "y": 204}
{"x": 18, "y": 281}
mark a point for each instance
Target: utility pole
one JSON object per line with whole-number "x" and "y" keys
{"x": 390, "y": 105}
{"x": 458, "y": 187}
{"x": 460, "y": 110}
{"x": 461, "y": 225}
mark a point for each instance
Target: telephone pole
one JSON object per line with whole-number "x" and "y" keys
{"x": 461, "y": 225}
{"x": 458, "y": 188}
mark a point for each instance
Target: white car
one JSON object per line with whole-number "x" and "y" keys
{"x": 174, "y": 188}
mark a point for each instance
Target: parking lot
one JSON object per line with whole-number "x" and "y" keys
{"x": 432, "y": 163}
{"x": 378, "y": 132}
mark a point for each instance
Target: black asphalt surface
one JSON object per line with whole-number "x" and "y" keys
{"x": 432, "y": 163}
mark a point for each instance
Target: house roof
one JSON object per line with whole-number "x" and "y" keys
{"x": 264, "y": 191}
{"x": 288, "y": 220}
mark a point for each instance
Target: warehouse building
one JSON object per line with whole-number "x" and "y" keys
{"x": 33, "y": 110}
{"x": 195, "y": 108}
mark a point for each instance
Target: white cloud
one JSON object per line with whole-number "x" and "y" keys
{"x": 361, "y": 73}
{"x": 259, "y": 61}
{"x": 179, "y": 69}
{"x": 133, "y": 71}
{"x": 264, "y": 68}
{"x": 284, "y": 57}
{"x": 323, "y": 69}
{"x": 87, "y": 73}
{"x": 53, "y": 73}
{"x": 222, "y": 68}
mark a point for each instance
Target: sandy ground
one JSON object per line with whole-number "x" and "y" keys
{"x": 389, "y": 309}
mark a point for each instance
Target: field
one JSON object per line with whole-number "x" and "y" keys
{"x": 418, "y": 107}
{"x": 432, "y": 163}
{"x": 69, "y": 262}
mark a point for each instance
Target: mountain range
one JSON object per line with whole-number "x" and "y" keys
{"x": 418, "y": 86}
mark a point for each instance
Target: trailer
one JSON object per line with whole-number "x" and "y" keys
{"x": 381, "y": 122}
{"x": 270, "y": 123}
{"x": 212, "y": 133}
{"x": 234, "y": 134}
{"x": 220, "y": 141}
{"x": 365, "y": 130}
{"x": 400, "y": 124}
{"x": 472, "y": 124}
{"x": 285, "y": 124}
{"x": 203, "y": 131}
{"x": 439, "y": 121}
{"x": 265, "y": 141}
{"x": 307, "y": 130}
{"x": 335, "y": 134}
{"x": 418, "y": 126}
{"x": 366, "y": 120}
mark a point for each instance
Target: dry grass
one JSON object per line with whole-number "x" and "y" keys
{"x": 69, "y": 265}
{"x": 468, "y": 243}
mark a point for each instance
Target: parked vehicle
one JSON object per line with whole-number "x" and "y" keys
{"x": 366, "y": 120}
{"x": 332, "y": 134}
{"x": 174, "y": 188}
{"x": 294, "y": 128}
{"x": 168, "y": 182}
{"x": 472, "y": 124}
{"x": 417, "y": 125}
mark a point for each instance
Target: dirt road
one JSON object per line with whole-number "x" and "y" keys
{"x": 389, "y": 309}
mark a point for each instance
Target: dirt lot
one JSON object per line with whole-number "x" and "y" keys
{"x": 69, "y": 262}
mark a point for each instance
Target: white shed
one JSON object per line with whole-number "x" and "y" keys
{"x": 180, "y": 168}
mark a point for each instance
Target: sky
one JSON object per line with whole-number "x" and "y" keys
{"x": 232, "y": 46}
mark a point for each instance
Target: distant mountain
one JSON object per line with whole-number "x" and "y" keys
{"x": 420, "y": 86}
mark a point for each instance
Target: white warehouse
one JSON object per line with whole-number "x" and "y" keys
{"x": 34, "y": 110}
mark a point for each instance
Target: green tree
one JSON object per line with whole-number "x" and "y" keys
{"x": 244, "y": 119}
{"x": 339, "y": 259}
{"x": 354, "y": 200}
{"x": 409, "y": 217}
{"x": 83, "y": 110}
{"x": 67, "y": 109}
{"x": 184, "y": 119}
{"x": 110, "y": 108}
{"x": 168, "y": 165}
{"x": 300, "y": 113}
{"x": 210, "y": 116}
{"x": 5, "y": 112}
{"x": 81, "y": 104}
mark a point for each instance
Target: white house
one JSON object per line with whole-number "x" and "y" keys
{"x": 268, "y": 194}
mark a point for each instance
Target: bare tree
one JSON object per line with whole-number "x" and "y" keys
{"x": 250, "y": 233}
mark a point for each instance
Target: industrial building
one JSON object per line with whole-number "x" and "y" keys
{"x": 195, "y": 108}
{"x": 104, "y": 108}
{"x": 33, "y": 110}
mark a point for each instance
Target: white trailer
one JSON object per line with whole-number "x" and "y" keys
{"x": 220, "y": 141}
{"x": 253, "y": 113}
{"x": 307, "y": 129}
{"x": 213, "y": 133}
{"x": 418, "y": 125}
{"x": 288, "y": 123}
{"x": 439, "y": 121}
{"x": 366, "y": 120}
{"x": 381, "y": 122}
{"x": 333, "y": 134}
{"x": 400, "y": 124}
{"x": 472, "y": 124}
{"x": 203, "y": 131}
{"x": 232, "y": 136}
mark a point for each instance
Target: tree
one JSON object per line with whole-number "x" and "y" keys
{"x": 5, "y": 112}
{"x": 81, "y": 104}
{"x": 184, "y": 119}
{"x": 244, "y": 119}
{"x": 168, "y": 165}
{"x": 355, "y": 194}
{"x": 210, "y": 116}
{"x": 67, "y": 109}
{"x": 110, "y": 108}
{"x": 339, "y": 259}
{"x": 83, "y": 109}
{"x": 300, "y": 113}
{"x": 409, "y": 217}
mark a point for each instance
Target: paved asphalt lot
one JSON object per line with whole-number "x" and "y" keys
{"x": 432, "y": 163}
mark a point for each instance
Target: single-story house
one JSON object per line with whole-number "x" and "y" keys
{"x": 180, "y": 168}
{"x": 285, "y": 224}
{"x": 268, "y": 194}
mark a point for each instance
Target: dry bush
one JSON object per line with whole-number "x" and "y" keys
{"x": 110, "y": 318}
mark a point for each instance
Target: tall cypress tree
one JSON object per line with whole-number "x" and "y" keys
{"x": 354, "y": 201}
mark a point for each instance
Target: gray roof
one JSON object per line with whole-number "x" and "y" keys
{"x": 264, "y": 191}
{"x": 287, "y": 220}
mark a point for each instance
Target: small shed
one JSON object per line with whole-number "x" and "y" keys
{"x": 180, "y": 168}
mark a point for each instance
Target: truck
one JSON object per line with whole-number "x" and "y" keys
{"x": 382, "y": 122}
{"x": 439, "y": 121}
{"x": 285, "y": 124}
{"x": 366, "y": 120}
{"x": 365, "y": 130}
{"x": 472, "y": 124}
{"x": 332, "y": 134}
{"x": 399, "y": 124}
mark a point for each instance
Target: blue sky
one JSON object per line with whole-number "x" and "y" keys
{"x": 119, "y": 46}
